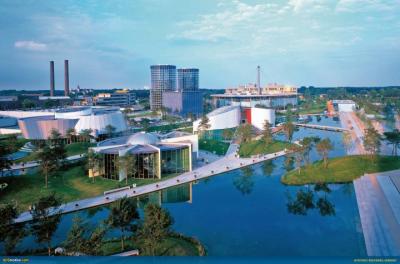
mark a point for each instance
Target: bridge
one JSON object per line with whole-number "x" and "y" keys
{"x": 231, "y": 161}
{"x": 328, "y": 128}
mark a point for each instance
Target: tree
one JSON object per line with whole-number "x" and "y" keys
{"x": 372, "y": 141}
{"x": 27, "y": 104}
{"x": 81, "y": 239}
{"x": 45, "y": 219}
{"x": 95, "y": 163}
{"x": 244, "y": 132}
{"x": 57, "y": 146}
{"x": 70, "y": 133}
{"x": 267, "y": 133}
{"x": 297, "y": 152}
{"x": 288, "y": 129}
{"x": 308, "y": 143}
{"x": 110, "y": 130}
{"x": 393, "y": 138}
{"x": 10, "y": 232}
{"x": 227, "y": 134}
{"x": 48, "y": 162}
{"x": 85, "y": 134}
{"x": 128, "y": 164}
{"x": 5, "y": 163}
{"x": 204, "y": 124}
{"x": 323, "y": 148}
{"x": 155, "y": 228}
{"x": 122, "y": 214}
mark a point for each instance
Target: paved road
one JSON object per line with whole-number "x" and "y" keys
{"x": 227, "y": 163}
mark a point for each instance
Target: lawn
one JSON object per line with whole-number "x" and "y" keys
{"x": 256, "y": 147}
{"x": 173, "y": 245}
{"x": 70, "y": 184}
{"x": 214, "y": 146}
{"x": 341, "y": 170}
{"x": 72, "y": 149}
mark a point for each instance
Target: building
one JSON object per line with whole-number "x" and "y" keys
{"x": 8, "y": 102}
{"x": 153, "y": 157}
{"x": 188, "y": 79}
{"x": 234, "y": 115}
{"x": 37, "y": 125}
{"x": 344, "y": 105}
{"x": 187, "y": 99}
{"x": 163, "y": 78}
{"x": 118, "y": 98}
{"x": 273, "y": 96}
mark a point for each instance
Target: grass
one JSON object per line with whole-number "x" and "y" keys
{"x": 70, "y": 184}
{"x": 173, "y": 245}
{"x": 214, "y": 146}
{"x": 341, "y": 170}
{"x": 256, "y": 147}
{"x": 72, "y": 149}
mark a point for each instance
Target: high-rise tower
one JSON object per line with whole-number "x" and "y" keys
{"x": 163, "y": 78}
{"x": 188, "y": 79}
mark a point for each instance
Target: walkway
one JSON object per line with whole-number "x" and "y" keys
{"x": 328, "y": 128}
{"x": 227, "y": 163}
{"x": 378, "y": 200}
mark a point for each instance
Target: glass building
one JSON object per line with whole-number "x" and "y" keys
{"x": 163, "y": 78}
{"x": 188, "y": 79}
{"x": 145, "y": 157}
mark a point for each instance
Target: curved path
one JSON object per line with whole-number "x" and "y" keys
{"x": 227, "y": 163}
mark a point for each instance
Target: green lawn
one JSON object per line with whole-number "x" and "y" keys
{"x": 173, "y": 245}
{"x": 256, "y": 147}
{"x": 72, "y": 149}
{"x": 341, "y": 170}
{"x": 214, "y": 146}
{"x": 71, "y": 184}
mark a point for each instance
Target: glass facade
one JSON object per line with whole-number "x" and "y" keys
{"x": 173, "y": 160}
{"x": 188, "y": 79}
{"x": 277, "y": 102}
{"x": 163, "y": 78}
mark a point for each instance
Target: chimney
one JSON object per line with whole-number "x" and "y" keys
{"x": 66, "y": 78}
{"x": 51, "y": 78}
{"x": 258, "y": 79}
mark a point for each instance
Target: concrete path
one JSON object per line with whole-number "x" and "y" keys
{"x": 227, "y": 163}
{"x": 378, "y": 200}
{"x": 328, "y": 128}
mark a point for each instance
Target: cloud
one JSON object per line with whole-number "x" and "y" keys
{"x": 353, "y": 6}
{"x": 30, "y": 45}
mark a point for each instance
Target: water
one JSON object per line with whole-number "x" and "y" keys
{"x": 245, "y": 213}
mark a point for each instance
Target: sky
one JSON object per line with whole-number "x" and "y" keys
{"x": 111, "y": 44}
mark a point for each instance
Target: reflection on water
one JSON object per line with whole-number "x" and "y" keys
{"x": 307, "y": 199}
{"x": 243, "y": 181}
{"x": 177, "y": 194}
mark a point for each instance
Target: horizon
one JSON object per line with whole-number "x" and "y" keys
{"x": 334, "y": 43}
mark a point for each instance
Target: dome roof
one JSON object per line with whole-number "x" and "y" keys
{"x": 142, "y": 138}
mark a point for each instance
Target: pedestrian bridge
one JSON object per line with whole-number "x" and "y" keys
{"x": 328, "y": 128}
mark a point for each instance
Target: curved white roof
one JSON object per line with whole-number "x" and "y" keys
{"x": 142, "y": 138}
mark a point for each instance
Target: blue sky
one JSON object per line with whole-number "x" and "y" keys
{"x": 113, "y": 43}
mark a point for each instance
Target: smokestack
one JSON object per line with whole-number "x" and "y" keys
{"x": 258, "y": 79}
{"x": 66, "y": 78}
{"x": 51, "y": 78}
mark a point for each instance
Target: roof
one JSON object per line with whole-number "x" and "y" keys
{"x": 253, "y": 95}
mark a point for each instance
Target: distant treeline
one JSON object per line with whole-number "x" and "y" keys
{"x": 353, "y": 90}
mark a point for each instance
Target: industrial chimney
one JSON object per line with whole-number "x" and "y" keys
{"x": 66, "y": 78}
{"x": 258, "y": 79}
{"x": 51, "y": 78}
